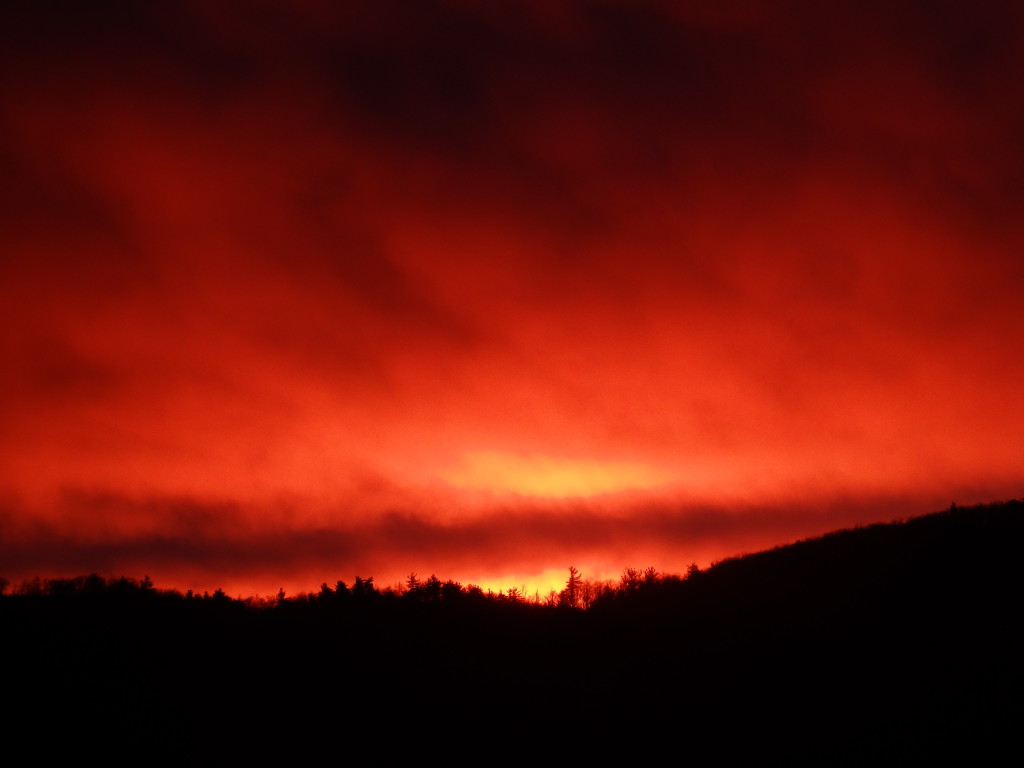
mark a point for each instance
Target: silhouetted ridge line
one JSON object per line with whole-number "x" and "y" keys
{"x": 886, "y": 643}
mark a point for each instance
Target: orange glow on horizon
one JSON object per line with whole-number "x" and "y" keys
{"x": 549, "y": 476}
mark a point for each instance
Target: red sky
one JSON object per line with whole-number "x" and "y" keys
{"x": 291, "y": 293}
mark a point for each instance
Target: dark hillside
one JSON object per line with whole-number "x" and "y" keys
{"x": 890, "y": 643}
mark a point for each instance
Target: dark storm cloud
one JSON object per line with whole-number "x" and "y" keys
{"x": 533, "y": 110}
{"x": 201, "y": 542}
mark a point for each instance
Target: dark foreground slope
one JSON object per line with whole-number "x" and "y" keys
{"x": 891, "y": 643}
{"x": 882, "y": 643}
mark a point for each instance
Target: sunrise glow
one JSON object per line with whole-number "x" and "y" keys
{"x": 550, "y": 477}
{"x": 486, "y": 291}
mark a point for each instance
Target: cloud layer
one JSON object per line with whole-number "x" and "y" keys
{"x": 765, "y": 257}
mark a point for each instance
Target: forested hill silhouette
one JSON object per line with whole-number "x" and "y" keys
{"x": 889, "y": 643}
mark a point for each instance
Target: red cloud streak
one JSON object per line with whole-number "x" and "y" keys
{"x": 294, "y": 291}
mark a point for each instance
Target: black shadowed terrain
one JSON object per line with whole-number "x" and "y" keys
{"x": 884, "y": 644}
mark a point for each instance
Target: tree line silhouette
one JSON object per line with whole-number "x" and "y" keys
{"x": 578, "y": 593}
{"x": 890, "y": 643}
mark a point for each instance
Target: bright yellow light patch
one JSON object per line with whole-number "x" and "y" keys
{"x": 549, "y": 476}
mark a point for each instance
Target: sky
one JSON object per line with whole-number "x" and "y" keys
{"x": 292, "y": 292}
